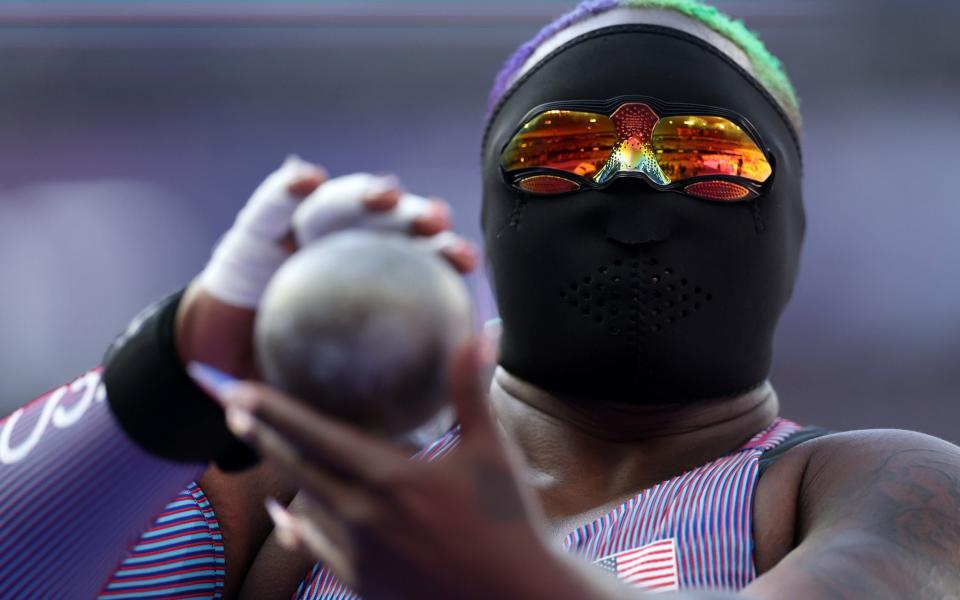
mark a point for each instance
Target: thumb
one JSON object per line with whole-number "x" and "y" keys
{"x": 467, "y": 393}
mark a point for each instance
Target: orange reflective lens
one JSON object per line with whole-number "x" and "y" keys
{"x": 693, "y": 146}
{"x": 718, "y": 190}
{"x": 565, "y": 140}
{"x": 634, "y": 139}
{"x": 547, "y": 184}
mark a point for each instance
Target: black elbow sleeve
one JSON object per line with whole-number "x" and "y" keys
{"x": 158, "y": 404}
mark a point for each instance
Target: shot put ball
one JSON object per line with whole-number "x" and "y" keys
{"x": 362, "y": 326}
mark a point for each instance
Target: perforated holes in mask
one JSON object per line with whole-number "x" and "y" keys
{"x": 635, "y": 298}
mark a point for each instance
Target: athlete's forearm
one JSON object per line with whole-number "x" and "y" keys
{"x": 75, "y": 493}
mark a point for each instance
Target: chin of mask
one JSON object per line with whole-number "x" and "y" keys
{"x": 628, "y": 293}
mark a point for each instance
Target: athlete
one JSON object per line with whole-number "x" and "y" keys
{"x": 638, "y": 302}
{"x": 639, "y": 277}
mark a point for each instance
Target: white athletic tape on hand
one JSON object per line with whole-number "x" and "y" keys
{"x": 249, "y": 254}
{"x": 338, "y": 205}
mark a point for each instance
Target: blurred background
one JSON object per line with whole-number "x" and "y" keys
{"x": 131, "y": 132}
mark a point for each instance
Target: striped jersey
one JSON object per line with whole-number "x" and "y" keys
{"x": 693, "y": 531}
{"x": 705, "y": 514}
{"x": 180, "y": 556}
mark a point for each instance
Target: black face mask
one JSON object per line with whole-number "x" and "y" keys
{"x": 630, "y": 294}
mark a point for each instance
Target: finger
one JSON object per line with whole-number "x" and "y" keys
{"x": 282, "y": 524}
{"x": 287, "y": 521}
{"x": 340, "y": 204}
{"x": 346, "y": 499}
{"x": 249, "y": 253}
{"x": 307, "y": 433}
{"x": 383, "y": 202}
{"x": 306, "y": 183}
{"x": 302, "y": 187}
{"x": 467, "y": 394}
{"x": 348, "y": 451}
{"x": 460, "y": 253}
{"x": 374, "y": 202}
{"x": 464, "y": 257}
{"x": 268, "y": 212}
{"x": 364, "y": 201}
{"x": 313, "y": 537}
{"x": 296, "y": 531}
{"x": 308, "y": 507}
{"x": 436, "y": 220}
{"x": 412, "y": 213}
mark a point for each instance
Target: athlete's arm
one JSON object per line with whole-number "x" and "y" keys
{"x": 214, "y": 323}
{"x": 75, "y": 493}
{"x": 75, "y": 489}
{"x": 878, "y": 513}
{"x": 878, "y": 516}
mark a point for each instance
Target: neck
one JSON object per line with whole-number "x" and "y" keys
{"x": 586, "y": 453}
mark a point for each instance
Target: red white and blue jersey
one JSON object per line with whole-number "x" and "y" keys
{"x": 693, "y": 531}
{"x": 180, "y": 556}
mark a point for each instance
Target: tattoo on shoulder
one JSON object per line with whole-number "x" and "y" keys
{"x": 921, "y": 490}
{"x": 909, "y": 505}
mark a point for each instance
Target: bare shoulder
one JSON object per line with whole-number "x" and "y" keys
{"x": 900, "y": 484}
{"x": 871, "y": 444}
{"x": 894, "y": 490}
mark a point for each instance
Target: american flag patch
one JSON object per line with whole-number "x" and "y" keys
{"x": 652, "y": 567}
